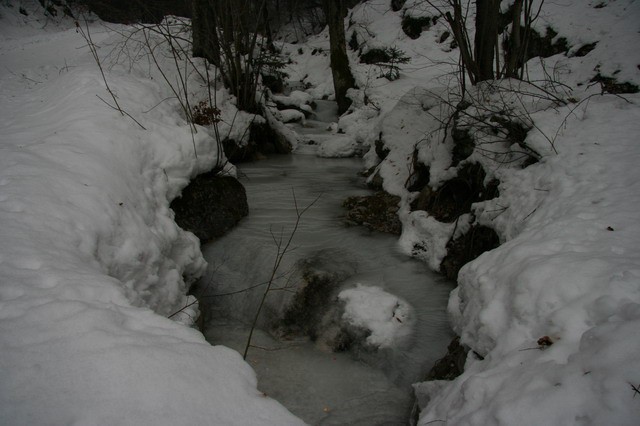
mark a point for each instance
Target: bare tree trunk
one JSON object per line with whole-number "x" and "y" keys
{"x": 205, "y": 37}
{"x": 225, "y": 32}
{"x": 515, "y": 41}
{"x": 457, "y": 22}
{"x": 342, "y": 78}
{"x": 487, "y": 12}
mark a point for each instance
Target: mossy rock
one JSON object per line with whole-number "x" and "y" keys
{"x": 378, "y": 212}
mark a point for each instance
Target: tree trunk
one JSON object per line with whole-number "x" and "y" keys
{"x": 342, "y": 78}
{"x": 205, "y": 37}
{"x": 515, "y": 41}
{"x": 487, "y": 13}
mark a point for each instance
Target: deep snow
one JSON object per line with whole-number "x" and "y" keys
{"x": 91, "y": 261}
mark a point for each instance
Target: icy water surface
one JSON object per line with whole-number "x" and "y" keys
{"x": 319, "y": 386}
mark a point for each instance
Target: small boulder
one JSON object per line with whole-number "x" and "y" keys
{"x": 210, "y": 205}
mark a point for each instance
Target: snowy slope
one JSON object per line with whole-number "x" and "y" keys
{"x": 91, "y": 261}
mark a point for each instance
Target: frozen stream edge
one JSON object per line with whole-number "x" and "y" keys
{"x": 319, "y": 386}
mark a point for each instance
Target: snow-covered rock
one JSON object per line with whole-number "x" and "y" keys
{"x": 387, "y": 318}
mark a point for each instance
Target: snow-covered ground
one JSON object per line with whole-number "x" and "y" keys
{"x": 91, "y": 261}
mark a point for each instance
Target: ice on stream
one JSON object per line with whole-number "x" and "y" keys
{"x": 370, "y": 384}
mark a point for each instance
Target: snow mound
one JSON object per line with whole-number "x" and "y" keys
{"x": 337, "y": 146}
{"x": 387, "y": 317}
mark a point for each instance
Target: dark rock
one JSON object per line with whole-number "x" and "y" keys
{"x": 238, "y": 154}
{"x": 538, "y": 45}
{"x": 381, "y": 150}
{"x": 413, "y": 26}
{"x": 375, "y": 56}
{"x": 455, "y": 196}
{"x": 396, "y": 5}
{"x": 377, "y": 212}
{"x": 420, "y": 175}
{"x": 491, "y": 190}
{"x": 463, "y": 145}
{"x": 275, "y": 83}
{"x": 445, "y": 35}
{"x": 545, "y": 46}
{"x": 446, "y": 368}
{"x": 584, "y": 50}
{"x": 375, "y": 182}
{"x": 529, "y": 161}
{"x": 210, "y": 205}
{"x": 353, "y": 41}
{"x": 611, "y": 85}
{"x": 267, "y": 140}
{"x": 322, "y": 275}
{"x": 451, "y": 365}
{"x": 263, "y": 140}
{"x": 51, "y": 10}
{"x": 516, "y": 131}
{"x": 467, "y": 247}
{"x": 339, "y": 336}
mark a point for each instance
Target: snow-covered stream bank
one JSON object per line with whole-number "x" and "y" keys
{"x": 320, "y": 386}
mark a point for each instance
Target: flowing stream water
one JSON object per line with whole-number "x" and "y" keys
{"x": 320, "y": 386}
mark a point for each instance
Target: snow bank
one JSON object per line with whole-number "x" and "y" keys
{"x": 91, "y": 260}
{"x": 568, "y": 273}
{"x": 571, "y": 272}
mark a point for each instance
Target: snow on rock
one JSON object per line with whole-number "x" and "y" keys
{"x": 296, "y": 98}
{"x": 290, "y": 116}
{"x": 91, "y": 261}
{"x": 387, "y": 317}
{"x": 337, "y": 146}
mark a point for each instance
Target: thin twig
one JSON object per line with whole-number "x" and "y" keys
{"x": 280, "y": 253}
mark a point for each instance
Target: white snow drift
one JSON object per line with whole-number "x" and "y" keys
{"x": 91, "y": 261}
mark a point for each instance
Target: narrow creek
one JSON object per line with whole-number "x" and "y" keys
{"x": 355, "y": 387}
